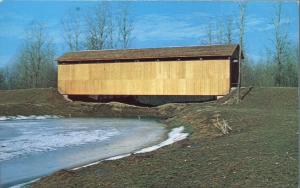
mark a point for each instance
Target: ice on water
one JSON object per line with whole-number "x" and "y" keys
{"x": 39, "y": 136}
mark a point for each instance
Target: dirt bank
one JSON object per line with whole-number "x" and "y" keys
{"x": 49, "y": 101}
{"x": 260, "y": 151}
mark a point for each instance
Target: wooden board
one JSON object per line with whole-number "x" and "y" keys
{"x": 201, "y": 77}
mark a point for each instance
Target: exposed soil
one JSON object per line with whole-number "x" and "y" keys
{"x": 259, "y": 151}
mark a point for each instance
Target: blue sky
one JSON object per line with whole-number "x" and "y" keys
{"x": 156, "y": 24}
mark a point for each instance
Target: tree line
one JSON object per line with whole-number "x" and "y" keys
{"x": 34, "y": 65}
{"x": 103, "y": 27}
{"x": 277, "y": 66}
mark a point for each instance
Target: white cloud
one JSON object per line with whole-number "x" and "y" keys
{"x": 263, "y": 24}
{"x": 151, "y": 27}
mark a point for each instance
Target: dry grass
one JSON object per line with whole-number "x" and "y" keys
{"x": 259, "y": 148}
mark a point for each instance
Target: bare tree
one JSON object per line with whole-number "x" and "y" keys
{"x": 9, "y": 73}
{"x": 35, "y": 66}
{"x": 98, "y": 27}
{"x": 72, "y": 26}
{"x": 125, "y": 26}
{"x": 209, "y": 35}
{"x": 110, "y": 31}
{"x": 229, "y": 30}
{"x": 281, "y": 44}
{"x": 103, "y": 28}
{"x": 2, "y": 79}
{"x": 242, "y": 6}
{"x": 220, "y": 32}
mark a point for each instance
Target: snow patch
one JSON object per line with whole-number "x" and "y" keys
{"x": 107, "y": 159}
{"x": 32, "y": 117}
{"x": 90, "y": 164}
{"x": 118, "y": 157}
{"x": 175, "y": 135}
{"x": 22, "y": 185}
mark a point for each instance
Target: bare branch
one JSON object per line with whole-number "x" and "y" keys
{"x": 98, "y": 27}
{"x": 125, "y": 26}
{"x": 34, "y": 66}
{"x": 72, "y": 26}
{"x": 242, "y": 5}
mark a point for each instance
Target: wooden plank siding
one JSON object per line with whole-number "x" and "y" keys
{"x": 196, "y": 77}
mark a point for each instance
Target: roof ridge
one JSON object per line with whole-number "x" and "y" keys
{"x": 166, "y": 47}
{"x": 216, "y": 50}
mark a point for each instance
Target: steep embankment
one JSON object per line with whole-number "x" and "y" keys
{"x": 260, "y": 151}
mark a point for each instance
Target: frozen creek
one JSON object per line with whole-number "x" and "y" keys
{"x": 35, "y": 146}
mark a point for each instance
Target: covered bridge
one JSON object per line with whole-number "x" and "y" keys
{"x": 173, "y": 71}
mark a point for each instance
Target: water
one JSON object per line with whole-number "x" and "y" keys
{"x": 38, "y": 147}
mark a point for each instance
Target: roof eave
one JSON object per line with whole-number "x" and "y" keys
{"x": 61, "y": 61}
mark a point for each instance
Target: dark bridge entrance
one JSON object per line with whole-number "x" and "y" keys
{"x": 145, "y": 100}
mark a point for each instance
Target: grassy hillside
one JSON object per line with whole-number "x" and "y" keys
{"x": 260, "y": 151}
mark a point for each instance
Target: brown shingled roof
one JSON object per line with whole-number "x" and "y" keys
{"x": 214, "y": 51}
